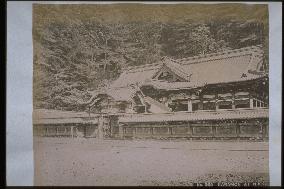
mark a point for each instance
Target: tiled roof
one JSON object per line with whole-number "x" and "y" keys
{"x": 222, "y": 67}
{"x": 136, "y": 75}
{"x": 48, "y": 113}
{"x": 121, "y": 94}
{"x": 225, "y": 70}
{"x": 63, "y": 121}
{"x": 256, "y": 50}
{"x": 117, "y": 93}
{"x": 196, "y": 116}
{"x": 47, "y": 116}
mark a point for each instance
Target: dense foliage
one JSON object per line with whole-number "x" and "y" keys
{"x": 75, "y": 57}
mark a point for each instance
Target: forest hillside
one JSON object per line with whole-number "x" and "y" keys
{"x": 74, "y": 56}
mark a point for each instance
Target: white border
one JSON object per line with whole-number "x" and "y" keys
{"x": 19, "y": 88}
{"x": 275, "y": 89}
{"x": 19, "y": 163}
{"x": 141, "y": 2}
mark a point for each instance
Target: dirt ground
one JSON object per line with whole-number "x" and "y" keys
{"x": 85, "y": 162}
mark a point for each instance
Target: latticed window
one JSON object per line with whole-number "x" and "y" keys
{"x": 195, "y": 106}
{"x": 209, "y": 106}
{"x": 225, "y": 101}
{"x": 242, "y": 103}
{"x": 179, "y": 105}
{"x": 209, "y": 102}
{"x": 225, "y": 105}
{"x": 195, "y": 102}
{"x": 139, "y": 109}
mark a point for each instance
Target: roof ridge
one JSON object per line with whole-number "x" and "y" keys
{"x": 246, "y": 50}
{"x": 252, "y": 49}
{"x": 205, "y": 60}
{"x": 142, "y": 66}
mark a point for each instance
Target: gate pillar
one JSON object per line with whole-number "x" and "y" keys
{"x": 100, "y": 127}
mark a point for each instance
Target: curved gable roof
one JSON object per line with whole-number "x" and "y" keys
{"x": 222, "y": 67}
{"x": 135, "y": 75}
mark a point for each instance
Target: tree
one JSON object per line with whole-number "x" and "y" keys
{"x": 75, "y": 57}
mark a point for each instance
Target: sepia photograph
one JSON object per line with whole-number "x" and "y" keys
{"x": 134, "y": 94}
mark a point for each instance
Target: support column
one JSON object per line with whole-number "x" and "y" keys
{"x": 216, "y": 102}
{"x": 261, "y": 130}
{"x": 85, "y": 130}
{"x": 191, "y": 131}
{"x": 46, "y": 134}
{"x": 200, "y": 105}
{"x": 213, "y": 127}
{"x": 251, "y": 103}
{"x": 56, "y": 131}
{"x": 169, "y": 130}
{"x": 189, "y": 105}
{"x": 135, "y": 131}
{"x": 72, "y": 131}
{"x": 266, "y": 129}
{"x": 233, "y": 102}
{"x": 120, "y": 130}
{"x": 238, "y": 130}
{"x": 100, "y": 127}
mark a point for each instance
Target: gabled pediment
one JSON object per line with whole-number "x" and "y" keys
{"x": 166, "y": 74}
{"x": 171, "y": 72}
